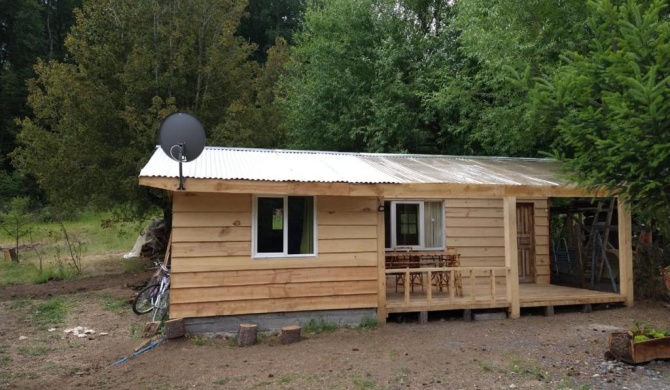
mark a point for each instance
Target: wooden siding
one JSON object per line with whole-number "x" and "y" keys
{"x": 213, "y": 272}
{"x": 474, "y": 227}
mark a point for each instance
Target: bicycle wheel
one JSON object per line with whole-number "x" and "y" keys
{"x": 162, "y": 307}
{"x": 142, "y": 303}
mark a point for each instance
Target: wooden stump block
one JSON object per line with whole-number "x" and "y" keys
{"x": 247, "y": 335}
{"x": 10, "y": 255}
{"x": 175, "y": 328}
{"x": 290, "y": 334}
{"x": 467, "y": 315}
{"x": 548, "y": 311}
{"x": 423, "y": 317}
{"x": 151, "y": 328}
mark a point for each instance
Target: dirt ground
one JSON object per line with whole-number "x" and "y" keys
{"x": 565, "y": 351}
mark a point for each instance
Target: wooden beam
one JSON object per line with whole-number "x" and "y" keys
{"x": 511, "y": 255}
{"x": 381, "y": 268}
{"x": 388, "y": 191}
{"x": 625, "y": 252}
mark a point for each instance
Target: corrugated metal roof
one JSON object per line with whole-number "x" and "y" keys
{"x": 355, "y": 168}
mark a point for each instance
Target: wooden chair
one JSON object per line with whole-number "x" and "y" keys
{"x": 453, "y": 259}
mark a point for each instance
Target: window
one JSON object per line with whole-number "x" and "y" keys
{"x": 415, "y": 224}
{"x": 284, "y": 226}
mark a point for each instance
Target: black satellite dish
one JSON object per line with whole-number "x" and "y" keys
{"x": 182, "y": 138}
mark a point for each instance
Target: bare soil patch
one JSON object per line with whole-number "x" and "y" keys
{"x": 565, "y": 351}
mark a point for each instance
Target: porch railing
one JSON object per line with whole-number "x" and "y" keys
{"x": 468, "y": 276}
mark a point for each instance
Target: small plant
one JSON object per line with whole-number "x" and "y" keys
{"x": 368, "y": 323}
{"x": 318, "y": 326}
{"x": 221, "y": 381}
{"x": 484, "y": 365}
{"x": 16, "y": 222}
{"x": 643, "y": 332}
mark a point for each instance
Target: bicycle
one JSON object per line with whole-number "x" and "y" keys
{"x": 155, "y": 295}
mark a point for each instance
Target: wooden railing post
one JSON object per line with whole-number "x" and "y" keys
{"x": 511, "y": 255}
{"x": 625, "y": 252}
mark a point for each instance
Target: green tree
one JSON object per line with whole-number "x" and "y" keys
{"x": 131, "y": 63}
{"x": 16, "y": 221}
{"x": 360, "y": 75}
{"x": 610, "y": 104}
{"x": 503, "y": 46}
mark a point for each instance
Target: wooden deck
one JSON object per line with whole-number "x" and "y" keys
{"x": 530, "y": 295}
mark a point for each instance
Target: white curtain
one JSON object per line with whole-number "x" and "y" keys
{"x": 433, "y": 221}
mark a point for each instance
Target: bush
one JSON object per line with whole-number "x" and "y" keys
{"x": 650, "y": 259}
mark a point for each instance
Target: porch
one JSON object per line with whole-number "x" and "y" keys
{"x": 481, "y": 292}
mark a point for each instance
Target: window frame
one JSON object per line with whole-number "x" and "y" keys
{"x": 254, "y": 229}
{"x": 421, "y": 224}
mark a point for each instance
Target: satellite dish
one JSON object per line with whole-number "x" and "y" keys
{"x": 182, "y": 133}
{"x": 182, "y": 138}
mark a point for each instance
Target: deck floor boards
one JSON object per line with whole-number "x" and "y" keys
{"x": 530, "y": 295}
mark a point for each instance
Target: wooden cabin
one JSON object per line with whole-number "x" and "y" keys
{"x": 292, "y": 235}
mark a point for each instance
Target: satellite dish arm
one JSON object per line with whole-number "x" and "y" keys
{"x": 181, "y": 174}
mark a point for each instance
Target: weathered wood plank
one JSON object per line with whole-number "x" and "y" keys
{"x": 511, "y": 256}
{"x": 463, "y": 212}
{"x": 481, "y": 252}
{"x": 273, "y": 305}
{"x": 204, "y": 249}
{"x": 330, "y": 232}
{"x": 475, "y": 242}
{"x": 347, "y": 218}
{"x": 210, "y": 219}
{"x": 347, "y": 246}
{"x": 473, "y": 203}
{"x": 272, "y": 291}
{"x": 209, "y": 234}
{"x": 262, "y": 277}
{"x": 474, "y": 222}
{"x": 347, "y": 204}
{"x": 204, "y": 202}
{"x": 459, "y": 231}
{"x": 625, "y": 251}
{"x": 221, "y": 263}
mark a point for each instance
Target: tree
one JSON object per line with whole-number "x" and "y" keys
{"x": 130, "y": 64}
{"x": 16, "y": 221}
{"x": 610, "y": 104}
{"x": 360, "y": 75}
{"x": 503, "y": 46}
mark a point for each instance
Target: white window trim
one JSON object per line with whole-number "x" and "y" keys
{"x": 254, "y": 232}
{"x": 422, "y": 238}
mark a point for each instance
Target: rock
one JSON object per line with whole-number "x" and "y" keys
{"x": 51, "y": 330}
{"x": 89, "y": 331}
{"x": 23, "y": 338}
{"x": 103, "y": 334}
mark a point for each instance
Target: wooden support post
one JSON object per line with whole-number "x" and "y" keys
{"x": 290, "y": 334}
{"x": 548, "y": 311}
{"x": 467, "y": 315}
{"x": 247, "y": 335}
{"x": 511, "y": 255}
{"x": 381, "y": 267}
{"x": 587, "y": 308}
{"x": 625, "y": 252}
{"x": 423, "y": 317}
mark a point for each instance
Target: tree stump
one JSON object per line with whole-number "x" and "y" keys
{"x": 247, "y": 335}
{"x": 175, "y": 328}
{"x": 290, "y": 334}
{"x": 10, "y": 255}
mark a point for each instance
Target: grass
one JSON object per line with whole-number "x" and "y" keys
{"x": 534, "y": 372}
{"x": 287, "y": 378}
{"x": 94, "y": 233}
{"x": 4, "y": 359}
{"x": 319, "y": 325}
{"x": 202, "y": 341}
{"x": 487, "y": 367}
{"x": 363, "y": 383}
{"x": 221, "y": 381}
{"x": 113, "y": 304}
{"x": 43, "y": 315}
{"x": 35, "y": 350}
{"x": 368, "y": 323}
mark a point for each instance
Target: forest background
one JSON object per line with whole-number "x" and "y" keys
{"x": 85, "y": 84}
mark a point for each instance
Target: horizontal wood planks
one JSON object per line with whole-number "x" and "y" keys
{"x": 474, "y": 227}
{"x": 214, "y": 273}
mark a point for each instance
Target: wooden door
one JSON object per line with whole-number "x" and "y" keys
{"x": 525, "y": 227}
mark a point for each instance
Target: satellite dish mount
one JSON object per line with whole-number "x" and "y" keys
{"x": 182, "y": 138}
